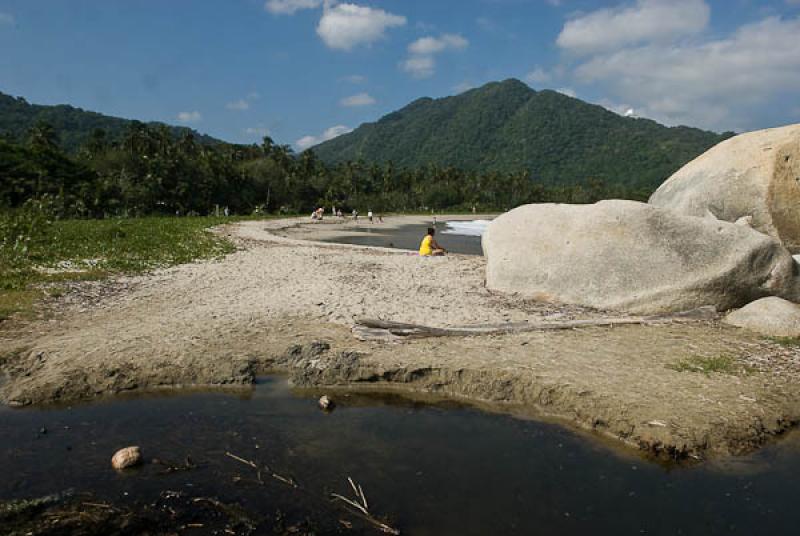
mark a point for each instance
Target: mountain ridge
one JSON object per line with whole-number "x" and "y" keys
{"x": 73, "y": 125}
{"x": 507, "y": 126}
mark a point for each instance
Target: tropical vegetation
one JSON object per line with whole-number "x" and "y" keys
{"x": 507, "y": 127}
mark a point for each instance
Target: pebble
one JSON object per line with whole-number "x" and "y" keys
{"x": 127, "y": 457}
{"x": 326, "y": 403}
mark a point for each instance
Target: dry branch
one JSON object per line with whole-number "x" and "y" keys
{"x": 362, "y": 507}
{"x": 367, "y": 329}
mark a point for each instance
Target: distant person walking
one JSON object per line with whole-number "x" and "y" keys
{"x": 355, "y": 215}
{"x": 226, "y": 212}
{"x": 369, "y": 215}
{"x": 429, "y": 247}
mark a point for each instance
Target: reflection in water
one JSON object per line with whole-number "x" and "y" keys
{"x": 434, "y": 469}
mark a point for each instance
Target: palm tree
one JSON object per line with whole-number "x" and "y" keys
{"x": 42, "y": 137}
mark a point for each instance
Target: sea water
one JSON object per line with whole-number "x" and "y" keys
{"x": 466, "y": 228}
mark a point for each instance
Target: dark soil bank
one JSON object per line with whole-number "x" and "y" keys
{"x": 425, "y": 470}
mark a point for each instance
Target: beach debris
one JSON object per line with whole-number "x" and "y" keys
{"x": 170, "y": 467}
{"x": 127, "y": 457}
{"x": 11, "y": 509}
{"x": 369, "y": 329}
{"x": 263, "y": 469}
{"x": 361, "y": 507}
{"x": 326, "y": 403}
{"x": 660, "y": 424}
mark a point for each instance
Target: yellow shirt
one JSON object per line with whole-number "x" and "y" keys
{"x": 425, "y": 247}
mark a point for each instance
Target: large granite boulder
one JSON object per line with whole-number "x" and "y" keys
{"x": 768, "y": 316}
{"x": 755, "y": 174}
{"x": 633, "y": 256}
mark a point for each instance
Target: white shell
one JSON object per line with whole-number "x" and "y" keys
{"x": 127, "y": 457}
{"x": 325, "y": 402}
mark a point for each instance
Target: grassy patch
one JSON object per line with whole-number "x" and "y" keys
{"x": 70, "y": 250}
{"x": 14, "y": 301}
{"x": 789, "y": 342}
{"x": 721, "y": 364}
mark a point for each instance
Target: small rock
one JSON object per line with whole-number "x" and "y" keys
{"x": 127, "y": 457}
{"x": 325, "y": 403}
{"x": 769, "y": 316}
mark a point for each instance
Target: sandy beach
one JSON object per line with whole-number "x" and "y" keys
{"x": 287, "y": 302}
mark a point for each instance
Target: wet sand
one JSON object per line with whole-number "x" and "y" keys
{"x": 284, "y": 302}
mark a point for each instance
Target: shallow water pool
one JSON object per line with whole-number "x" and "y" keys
{"x": 410, "y": 236}
{"x": 430, "y": 469}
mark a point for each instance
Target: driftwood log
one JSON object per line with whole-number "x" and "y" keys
{"x": 369, "y": 329}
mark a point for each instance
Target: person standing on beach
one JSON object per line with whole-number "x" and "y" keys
{"x": 429, "y": 247}
{"x": 369, "y": 215}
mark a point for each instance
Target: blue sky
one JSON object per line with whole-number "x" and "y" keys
{"x": 305, "y": 70}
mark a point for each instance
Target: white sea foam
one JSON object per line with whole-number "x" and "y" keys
{"x": 466, "y": 228}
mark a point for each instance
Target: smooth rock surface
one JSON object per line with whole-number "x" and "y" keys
{"x": 127, "y": 457}
{"x": 756, "y": 174}
{"x": 635, "y": 257}
{"x": 769, "y": 316}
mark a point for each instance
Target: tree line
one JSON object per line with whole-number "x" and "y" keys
{"x": 150, "y": 170}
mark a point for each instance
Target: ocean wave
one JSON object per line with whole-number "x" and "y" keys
{"x": 466, "y": 228}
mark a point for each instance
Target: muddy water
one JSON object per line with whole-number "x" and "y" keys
{"x": 409, "y": 237}
{"x": 431, "y": 469}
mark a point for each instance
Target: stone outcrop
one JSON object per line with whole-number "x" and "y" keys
{"x": 635, "y": 257}
{"x": 768, "y": 316}
{"x": 754, "y": 175}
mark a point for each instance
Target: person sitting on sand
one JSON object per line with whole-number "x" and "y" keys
{"x": 429, "y": 246}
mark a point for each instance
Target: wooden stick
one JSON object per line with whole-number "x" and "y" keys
{"x": 242, "y": 460}
{"x": 363, "y": 507}
{"x": 375, "y": 329}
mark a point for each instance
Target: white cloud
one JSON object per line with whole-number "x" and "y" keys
{"x": 257, "y": 131}
{"x": 355, "y": 79}
{"x": 625, "y": 110}
{"x": 344, "y": 26}
{"x": 426, "y": 46}
{"x": 486, "y": 24}
{"x": 646, "y": 20}
{"x": 716, "y": 84}
{"x": 289, "y": 7}
{"x": 421, "y": 63}
{"x": 309, "y": 141}
{"x": 189, "y": 117}
{"x": 538, "y": 76}
{"x": 462, "y": 87}
{"x": 6, "y": 19}
{"x": 568, "y": 91}
{"x": 359, "y": 99}
{"x": 239, "y": 105}
{"x": 419, "y": 66}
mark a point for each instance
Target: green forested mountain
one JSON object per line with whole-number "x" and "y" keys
{"x": 508, "y": 127}
{"x": 489, "y": 149}
{"x": 73, "y": 125}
